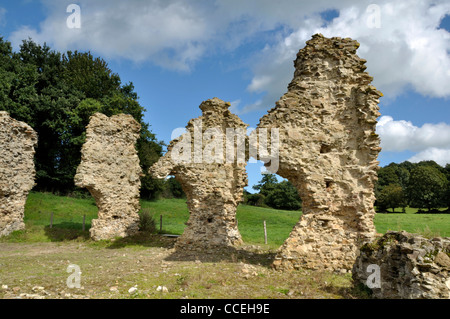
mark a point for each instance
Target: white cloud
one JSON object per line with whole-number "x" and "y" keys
{"x": 431, "y": 141}
{"x": 169, "y": 33}
{"x": 407, "y": 51}
{"x": 440, "y": 156}
{"x": 403, "y": 135}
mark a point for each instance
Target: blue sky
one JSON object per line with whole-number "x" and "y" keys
{"x": 180, "y": 53}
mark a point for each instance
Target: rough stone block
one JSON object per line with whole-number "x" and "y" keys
{"x": 110, "y": 170}
{"x": 17, "y": 148}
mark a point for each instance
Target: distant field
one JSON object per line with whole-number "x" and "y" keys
{"x": 68, "y": 217}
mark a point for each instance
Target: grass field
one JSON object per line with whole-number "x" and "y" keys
{"x": 34, "y": 261}
{"x": 68, "y": 218}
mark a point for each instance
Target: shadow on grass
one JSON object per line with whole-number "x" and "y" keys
{"x": 433, "y": 211}
{"x": 353, "y": 292}
{"x": 228, "y": 254}
{"x": 144, "y": 239}
{"x": 66, "y": 231}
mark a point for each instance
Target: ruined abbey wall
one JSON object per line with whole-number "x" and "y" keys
{"x": 328, "y": 150}
{"x": 213, "y": 189}
{"x": 17, "y": 147}
{"x": 110, "y": 170}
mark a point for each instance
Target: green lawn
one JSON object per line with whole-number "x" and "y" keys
{"x": 279, "y": 222}
{"x": 68, "y": 218}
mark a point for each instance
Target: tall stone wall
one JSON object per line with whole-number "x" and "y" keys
{"x": 110, "y": 170}
{"x": 17, "y": 147}
{"x": 213, "y": 189}
{"x": 328, "y": 150}
{"x": 409, "y": 267}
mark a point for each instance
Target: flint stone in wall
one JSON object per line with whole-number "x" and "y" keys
{"x": 328, "y": 150}
{"x": 411, "y": 266}
{"x": 17, "y": 147}
{"x": 213, "y": 190}
{"x": 110, "y": 170}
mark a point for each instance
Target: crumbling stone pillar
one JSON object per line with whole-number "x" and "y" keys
{"x": 17, "y": 147}
{"x": 212, "y": 180}
{"x": 110, "y": 170}
{"x": 328, "y": 150}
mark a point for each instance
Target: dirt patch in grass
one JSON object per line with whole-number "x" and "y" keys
{"x": 111, "y": 269}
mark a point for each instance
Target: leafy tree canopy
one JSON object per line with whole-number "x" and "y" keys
{"x": 56, "y": 93}
{"x": 427, "y": 186}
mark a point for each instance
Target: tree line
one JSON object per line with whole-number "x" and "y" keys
{"x": 274, "y": 194}
{"x": 423, "y": 185}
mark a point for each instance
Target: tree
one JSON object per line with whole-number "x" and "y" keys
{"x": 447, "y": 193}
{"x": 266, "y": 184}
{"x": 284, "y": 196}
{"x": 427, "y": 186}
{"x": 275, "y": 195}
{"x": 254, "y": 199}
{"x": 391, "y": 196}
{"x": 171, "y": 188}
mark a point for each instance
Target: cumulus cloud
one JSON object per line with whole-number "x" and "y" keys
{"x": 169, "y": 33}
{"x": 440, "y": 156}
{"x": 431, "y": 141}
{"x": 408, "y": 50}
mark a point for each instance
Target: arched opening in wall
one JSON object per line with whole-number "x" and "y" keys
{"x": 269, "y": 198}
{"x": 168, "y": 209}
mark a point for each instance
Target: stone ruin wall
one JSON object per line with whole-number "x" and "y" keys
{"x": 328, "y": 150}
{"x": 213, "y": 190}
{"x": 410, "y": 267}
{"x": 110, "y": 170}
{"x": 17, "y": 148}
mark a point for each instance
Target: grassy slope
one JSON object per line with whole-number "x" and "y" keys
{"x": 250, "y": 219}
{"x": 147, "y": 263}
{"x": 68, "y": 218}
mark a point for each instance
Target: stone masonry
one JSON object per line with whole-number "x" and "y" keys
{"x": 110, "y": 170}
{"x": 410, "y": 267}
{"x": 213, "y": 185}
{"x": 17, "y": 147}
{"x": 328, "y": 150}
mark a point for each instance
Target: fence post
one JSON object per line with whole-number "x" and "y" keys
{"x": 160, "y": 223}
{"x": 84, "y": 221}
{"x": 265, "y": 233}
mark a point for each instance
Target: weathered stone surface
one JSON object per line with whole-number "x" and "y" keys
{"x": 17, "y": 172}
{"x": 213, "y": 189}
{"x": 411, "y": 266}
{"x": 328, "y": 150}
{"x": 110, "y": 170}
